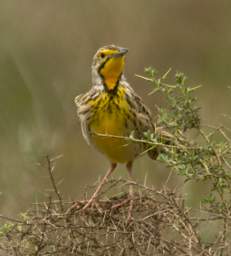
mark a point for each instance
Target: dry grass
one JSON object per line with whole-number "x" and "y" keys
{"x": 160, "y": 225}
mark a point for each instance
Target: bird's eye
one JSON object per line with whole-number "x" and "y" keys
{"x": 102, "y": 55}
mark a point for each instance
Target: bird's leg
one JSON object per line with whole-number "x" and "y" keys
{"x": 130, "y": 193}
{"x": 104, "y": 179}
{"x": 129, "y": 168}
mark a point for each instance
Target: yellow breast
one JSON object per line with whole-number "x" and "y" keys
{"x": 110, "y": 121}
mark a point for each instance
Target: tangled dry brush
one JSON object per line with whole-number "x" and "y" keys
{"x": 160, "y": 225}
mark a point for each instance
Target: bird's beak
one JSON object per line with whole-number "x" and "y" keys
{"x": 122, "y": 52}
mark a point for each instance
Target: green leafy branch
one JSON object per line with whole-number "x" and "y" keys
{"x": 205, "y": 157}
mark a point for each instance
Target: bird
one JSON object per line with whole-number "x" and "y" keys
{"x": 111, "y": 111}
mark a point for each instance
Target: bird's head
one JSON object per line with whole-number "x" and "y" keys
{"x": 108, "y": 65}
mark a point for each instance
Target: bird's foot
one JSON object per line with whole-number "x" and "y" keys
{"x": 129, "y": 200}
{"x": 81, "y": 205}
{"x": 118, "y": 205}
{"x": 131, "y": 203}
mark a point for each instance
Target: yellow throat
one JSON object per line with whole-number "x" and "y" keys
{"x": 112, "y": 69}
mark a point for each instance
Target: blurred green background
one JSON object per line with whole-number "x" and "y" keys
{"x": 46, "y": 49}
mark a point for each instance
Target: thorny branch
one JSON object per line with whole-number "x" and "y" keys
{"x": 50, "y": 164}
{"x": 161, "y": 225}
